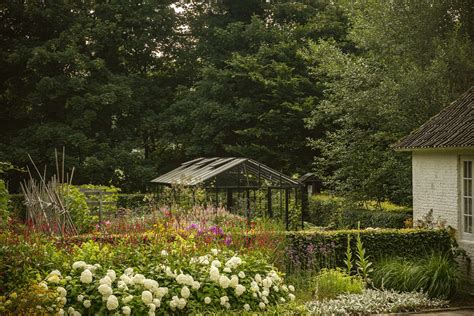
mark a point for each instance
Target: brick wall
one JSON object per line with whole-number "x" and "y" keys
{"x": 435, "y": 186}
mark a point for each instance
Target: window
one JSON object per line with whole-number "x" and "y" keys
{"x": 467, "y": 196}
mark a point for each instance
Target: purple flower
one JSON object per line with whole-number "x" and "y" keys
{"x": 228, "y": 241}
{"x": 192, "y": 226}
{"x": 216, "y": 230}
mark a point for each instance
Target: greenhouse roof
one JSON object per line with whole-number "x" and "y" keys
{"x": 234, "y": 170}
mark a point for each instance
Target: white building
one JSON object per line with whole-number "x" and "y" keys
{"x": 442, "y": 160}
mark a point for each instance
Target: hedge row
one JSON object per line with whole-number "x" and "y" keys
{"x": 303, "y": 247}
{"x": 379, "y": 243}
{"x": 381, "y": 219}
{"x": 336, "y": 213}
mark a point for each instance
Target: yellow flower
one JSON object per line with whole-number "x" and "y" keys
{"x": 13, "y": 295}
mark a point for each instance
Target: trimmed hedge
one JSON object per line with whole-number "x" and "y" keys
{"x": 379, "y": 243}
{"x": 337, "y": 213}
{"x": 379, "y": 219}
{"x": 329, "y": 247}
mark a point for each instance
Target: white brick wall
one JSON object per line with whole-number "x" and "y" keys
{"x": 435, "y": 186}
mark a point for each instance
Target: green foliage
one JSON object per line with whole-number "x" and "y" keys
{"x": 111, "y": 199}
{"x": 397, "y": 78}
{"x": 17, "y": 206}
{"x": 362, "y": 260}
{"x": 26, "y": 259}
{"x": 132, "y": 89}
{"x": 76, "y": 203}
{"x": 337, "y": 212}
{"x": 324, "y": 210}
{"x": 91, "y": 251}
{"x": 4, "y": 203}
{"x": 379, "y": 243}
{"x": 380, "y": 219}
{"x": 130, "y": 201}
{"x": 348, "y": 259}
{"x": 86, "y": 76}
{"x": 330, "y": 283}
{"x": 192, "y": 276}
{"x": 436, "y": 275}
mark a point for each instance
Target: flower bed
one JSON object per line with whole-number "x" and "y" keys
{"x": 218, "y": 280}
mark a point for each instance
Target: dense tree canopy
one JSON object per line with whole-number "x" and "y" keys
{"x": 411, "y": 59}
{"x": 132, "y": 88}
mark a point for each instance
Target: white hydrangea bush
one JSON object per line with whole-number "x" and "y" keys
{"x": 374, "y": 302}
{"x": 215, "y": 281}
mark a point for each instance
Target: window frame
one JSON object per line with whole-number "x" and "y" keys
{"x": 466, "y": 196}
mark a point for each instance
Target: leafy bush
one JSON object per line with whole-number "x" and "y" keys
{"x": 336, "y": 212}
{"x": 26, "y": 258}
{"x": 378, "y": 243}
{"x": 329, "y": 283}
{"x": 436, "y": 275}
{"x": 76, "y": 204}
{"x": 374, "y": 302}
{"x": 172, "y": 283}
{"x": 111, "y": 199}
{"x": 368, "y": 218}
{"x": 325, "y": 210}
{"x": 30, "y": 301}
{"x": 4, "y": 200}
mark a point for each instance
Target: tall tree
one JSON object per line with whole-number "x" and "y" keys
{"x": 90, "y": 76}
{"x": 252, "y": 91}
{"x": 412, "y": 58}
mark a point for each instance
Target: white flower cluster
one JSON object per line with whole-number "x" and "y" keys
{"x": 109, "y": 286}
{"x": 261, "y": 288}
{"x": 134, "y": 293}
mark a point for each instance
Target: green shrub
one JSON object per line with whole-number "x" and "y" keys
{"x": 76, "y": 203}
{"x": 26, "y": 258}
{"x": 110, "y": 205}
{"x": 329, "y": 283}
{"x": 437, "y": 275}
{"x": 203, "y": 283}
{"x": 4, "y": 200}
{"x": 336, "y": 212}
{"x": 380, "y": 219}
{"x": 378, "y": 243}
{"x": 324, "y": 210}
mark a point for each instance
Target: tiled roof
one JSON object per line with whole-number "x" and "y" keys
{"x": 452, "y": 127}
